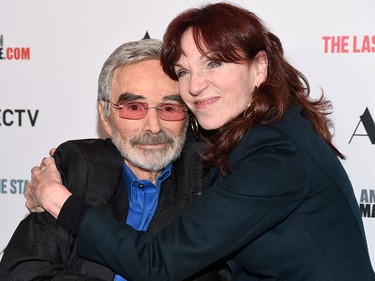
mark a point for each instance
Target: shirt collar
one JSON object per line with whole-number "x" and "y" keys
{"x": 130, "y": 177}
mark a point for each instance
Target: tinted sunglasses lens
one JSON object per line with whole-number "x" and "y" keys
{"x": 172, "y": 112}
{"x": 132, "y": 110}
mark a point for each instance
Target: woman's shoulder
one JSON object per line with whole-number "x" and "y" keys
{"x": 288, "y": 136}
{"x": 290, "y": 128}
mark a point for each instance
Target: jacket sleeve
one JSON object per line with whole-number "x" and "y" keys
{"x": 41, "y": 250}
{"x": 268, "y": 183}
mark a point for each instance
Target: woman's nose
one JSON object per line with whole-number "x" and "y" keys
{"x": 198, "y": 83}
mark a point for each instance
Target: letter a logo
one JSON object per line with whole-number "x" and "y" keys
{"x": 368, "y": 124}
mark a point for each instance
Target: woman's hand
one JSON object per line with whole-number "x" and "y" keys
{"x": 45, "y": 191}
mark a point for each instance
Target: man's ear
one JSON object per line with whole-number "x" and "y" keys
{"x": 103, "y": 118}
{"x": 261, "y": 66}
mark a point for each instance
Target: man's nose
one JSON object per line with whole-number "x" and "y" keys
{"x": 152, "y": 120}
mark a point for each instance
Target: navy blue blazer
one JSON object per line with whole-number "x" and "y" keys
{"x": 287, "y": 212}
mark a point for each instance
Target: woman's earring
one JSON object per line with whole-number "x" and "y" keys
{"x": 247, "y": 112}
{"x": 194, "y": 126}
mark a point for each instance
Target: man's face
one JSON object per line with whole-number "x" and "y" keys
{"x": 149, "y": 143}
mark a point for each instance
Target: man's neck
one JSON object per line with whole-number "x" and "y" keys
{"x": 143, "y": 174}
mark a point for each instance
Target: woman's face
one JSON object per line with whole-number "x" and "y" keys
{"x": 215, "y": 91}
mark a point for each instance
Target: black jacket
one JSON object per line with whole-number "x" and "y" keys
{"x": 287, "y": 212}
{"x": 92, "y": 169}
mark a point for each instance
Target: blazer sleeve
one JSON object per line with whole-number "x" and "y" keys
{"x": 42, "y": 250}
{"x": 268, "y": 182}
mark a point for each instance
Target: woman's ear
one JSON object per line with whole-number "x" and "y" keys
{"x": 261, "y": 67}
{"x": 103, "y": 118}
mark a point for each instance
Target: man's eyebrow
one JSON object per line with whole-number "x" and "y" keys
{"x": 173, "y": 98}
{"x": 130, "y": 97}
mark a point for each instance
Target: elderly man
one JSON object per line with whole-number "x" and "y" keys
{"x": 137, "y": 175}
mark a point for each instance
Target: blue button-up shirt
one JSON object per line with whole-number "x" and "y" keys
{"x": 143, "y": 199}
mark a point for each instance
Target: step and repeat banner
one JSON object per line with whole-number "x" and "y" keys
{"x": 51, "y": 53}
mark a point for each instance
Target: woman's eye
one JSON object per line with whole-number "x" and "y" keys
{"x": 213, "y": 64}
{"x": 181, "y": 73}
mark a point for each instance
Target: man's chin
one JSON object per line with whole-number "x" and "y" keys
{"x": 150, "y": 166}
{"x": 154, "y": 147}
